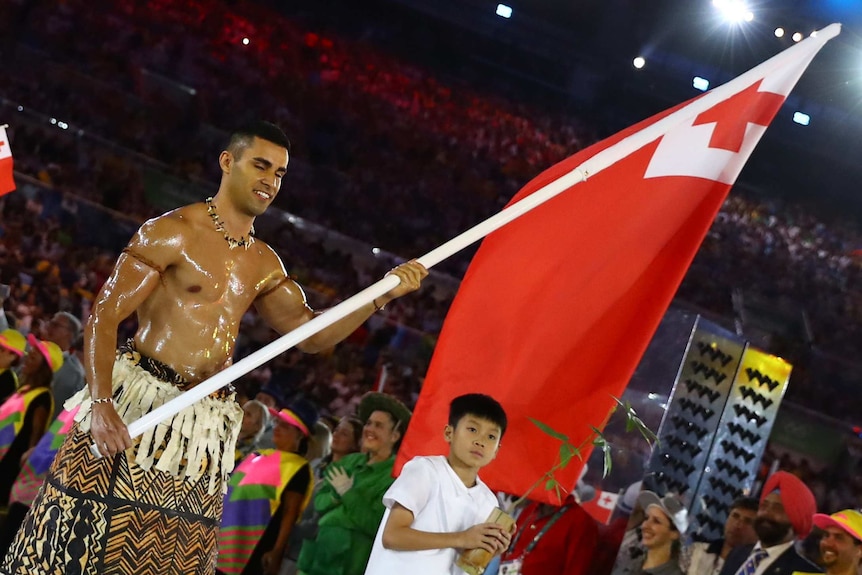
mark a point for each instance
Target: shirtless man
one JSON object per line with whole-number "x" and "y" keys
{"x": 190, "y": 275}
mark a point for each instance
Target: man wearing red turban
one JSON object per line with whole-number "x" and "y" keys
{"x": 785, "y": 514}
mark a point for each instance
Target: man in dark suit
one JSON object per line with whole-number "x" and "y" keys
{"x": 785, "y": 514}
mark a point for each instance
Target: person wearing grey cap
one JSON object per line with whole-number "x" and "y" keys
{"x": 666, "y": 520}
{"x": 64, "y": 329}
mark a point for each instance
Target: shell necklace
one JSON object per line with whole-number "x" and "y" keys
{"x": 233, "y": 243}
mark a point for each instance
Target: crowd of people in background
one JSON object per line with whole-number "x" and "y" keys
{"x": 385, "y": 151}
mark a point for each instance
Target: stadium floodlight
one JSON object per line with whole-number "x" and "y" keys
{"x": 504, "y": 11}
{"x": 801, "y": 118}
{"x": 779, "y": 32}
{"x": 797, "y": 36}
{"x": 734, "y": 10}
{"x": 639, "y": 62}
{"x": 701, "y": 84}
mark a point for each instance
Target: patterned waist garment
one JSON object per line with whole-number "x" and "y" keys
{"x": 154, "y": 509}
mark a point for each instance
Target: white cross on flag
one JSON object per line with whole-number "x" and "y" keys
{"x": 558, "y": 306}
{"x": 7, "y": 183}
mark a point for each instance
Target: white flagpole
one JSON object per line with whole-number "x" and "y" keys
{"x": 345, "y": 308}
{"x": 802, "y": 51}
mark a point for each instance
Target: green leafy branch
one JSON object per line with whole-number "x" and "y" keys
{"x": 597, "y": 439}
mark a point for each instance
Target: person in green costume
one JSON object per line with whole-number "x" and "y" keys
{"x": 350, "y": 501}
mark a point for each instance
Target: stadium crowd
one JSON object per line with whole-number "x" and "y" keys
{"x": 388, "y": 152}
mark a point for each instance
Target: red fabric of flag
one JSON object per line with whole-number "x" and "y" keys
{"x": 7, "y": 182}
{"x": 558, "y": 306}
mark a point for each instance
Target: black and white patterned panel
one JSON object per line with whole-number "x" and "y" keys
{"x": 740, "y": 439}
{"x": 694, "y": 410}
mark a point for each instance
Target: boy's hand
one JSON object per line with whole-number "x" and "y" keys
{"x": 488, "y": 536}
{"x": 339, "y": 480}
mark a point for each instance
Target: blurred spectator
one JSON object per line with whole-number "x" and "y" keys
{"x": 64, "y": 329}
{"x": 841, "y": 543}
{"x": 350, "y": 499}
{"x": 707, "y": 557}
{"x": 261, "y": 509}
{"x": 785, "y": 515}
{"x": 12, "y": 346}
{"x": 27, "y": 413}
{"x": 553, "y": 539}
{"x": 254, "y": 422}
{"x": 664, "y": 525}
{"x": 345, "y": 440}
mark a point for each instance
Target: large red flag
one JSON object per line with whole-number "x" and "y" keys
{"x": 7, "y": 183}
{"x": 558, "y": 306}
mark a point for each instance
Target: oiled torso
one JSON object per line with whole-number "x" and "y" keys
{"x": 191, "y": 319}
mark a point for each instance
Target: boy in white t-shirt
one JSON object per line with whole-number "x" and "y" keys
{"x": 438, "y": 504}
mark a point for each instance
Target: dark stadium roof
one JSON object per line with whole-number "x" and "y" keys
{"x": 684, "y": 38}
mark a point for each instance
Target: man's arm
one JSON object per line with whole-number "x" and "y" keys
{"x": 135, "y": 276}
{"x": 398, "y": 535}
{"x": 284, "y": 307}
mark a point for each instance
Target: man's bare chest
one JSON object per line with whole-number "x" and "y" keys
{"x": 216, "y": 275}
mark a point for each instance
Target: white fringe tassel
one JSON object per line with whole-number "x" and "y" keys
{"x": 204, "y": 434}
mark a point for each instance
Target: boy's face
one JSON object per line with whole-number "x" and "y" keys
{"x": 473, "y": 441}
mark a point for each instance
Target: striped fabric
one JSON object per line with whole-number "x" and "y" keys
{"x": 253, "y": 496}
{"x": 12, "y": 414}
{"x": 35, "y": 469}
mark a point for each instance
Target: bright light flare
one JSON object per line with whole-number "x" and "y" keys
{"x": 639, "y": 62}
{"x": 734, "y": 10}
{"x": 779, "y": 32}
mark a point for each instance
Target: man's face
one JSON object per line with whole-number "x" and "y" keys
{"x": 771, "y": 523}
{"x": 839, "y": 550}
{"x": 739, "y": 527}
{"x": 59, "y": 330}
{"x": 254, "y": 175}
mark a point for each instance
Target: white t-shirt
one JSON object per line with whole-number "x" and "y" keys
{"x": 440, "y": 503}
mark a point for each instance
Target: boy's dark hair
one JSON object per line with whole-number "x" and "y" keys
{"x": 480, "y": 405}
{"x": 243, "y": 137}
{"x": 749, "y": 503}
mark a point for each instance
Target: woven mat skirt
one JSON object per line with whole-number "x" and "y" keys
{"x": 110, "y": 517}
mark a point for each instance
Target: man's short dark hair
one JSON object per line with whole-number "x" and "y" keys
{"x": 243, "y": 137}
{"x": 749, "y": 503}
{"x": 480, "y": 405}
